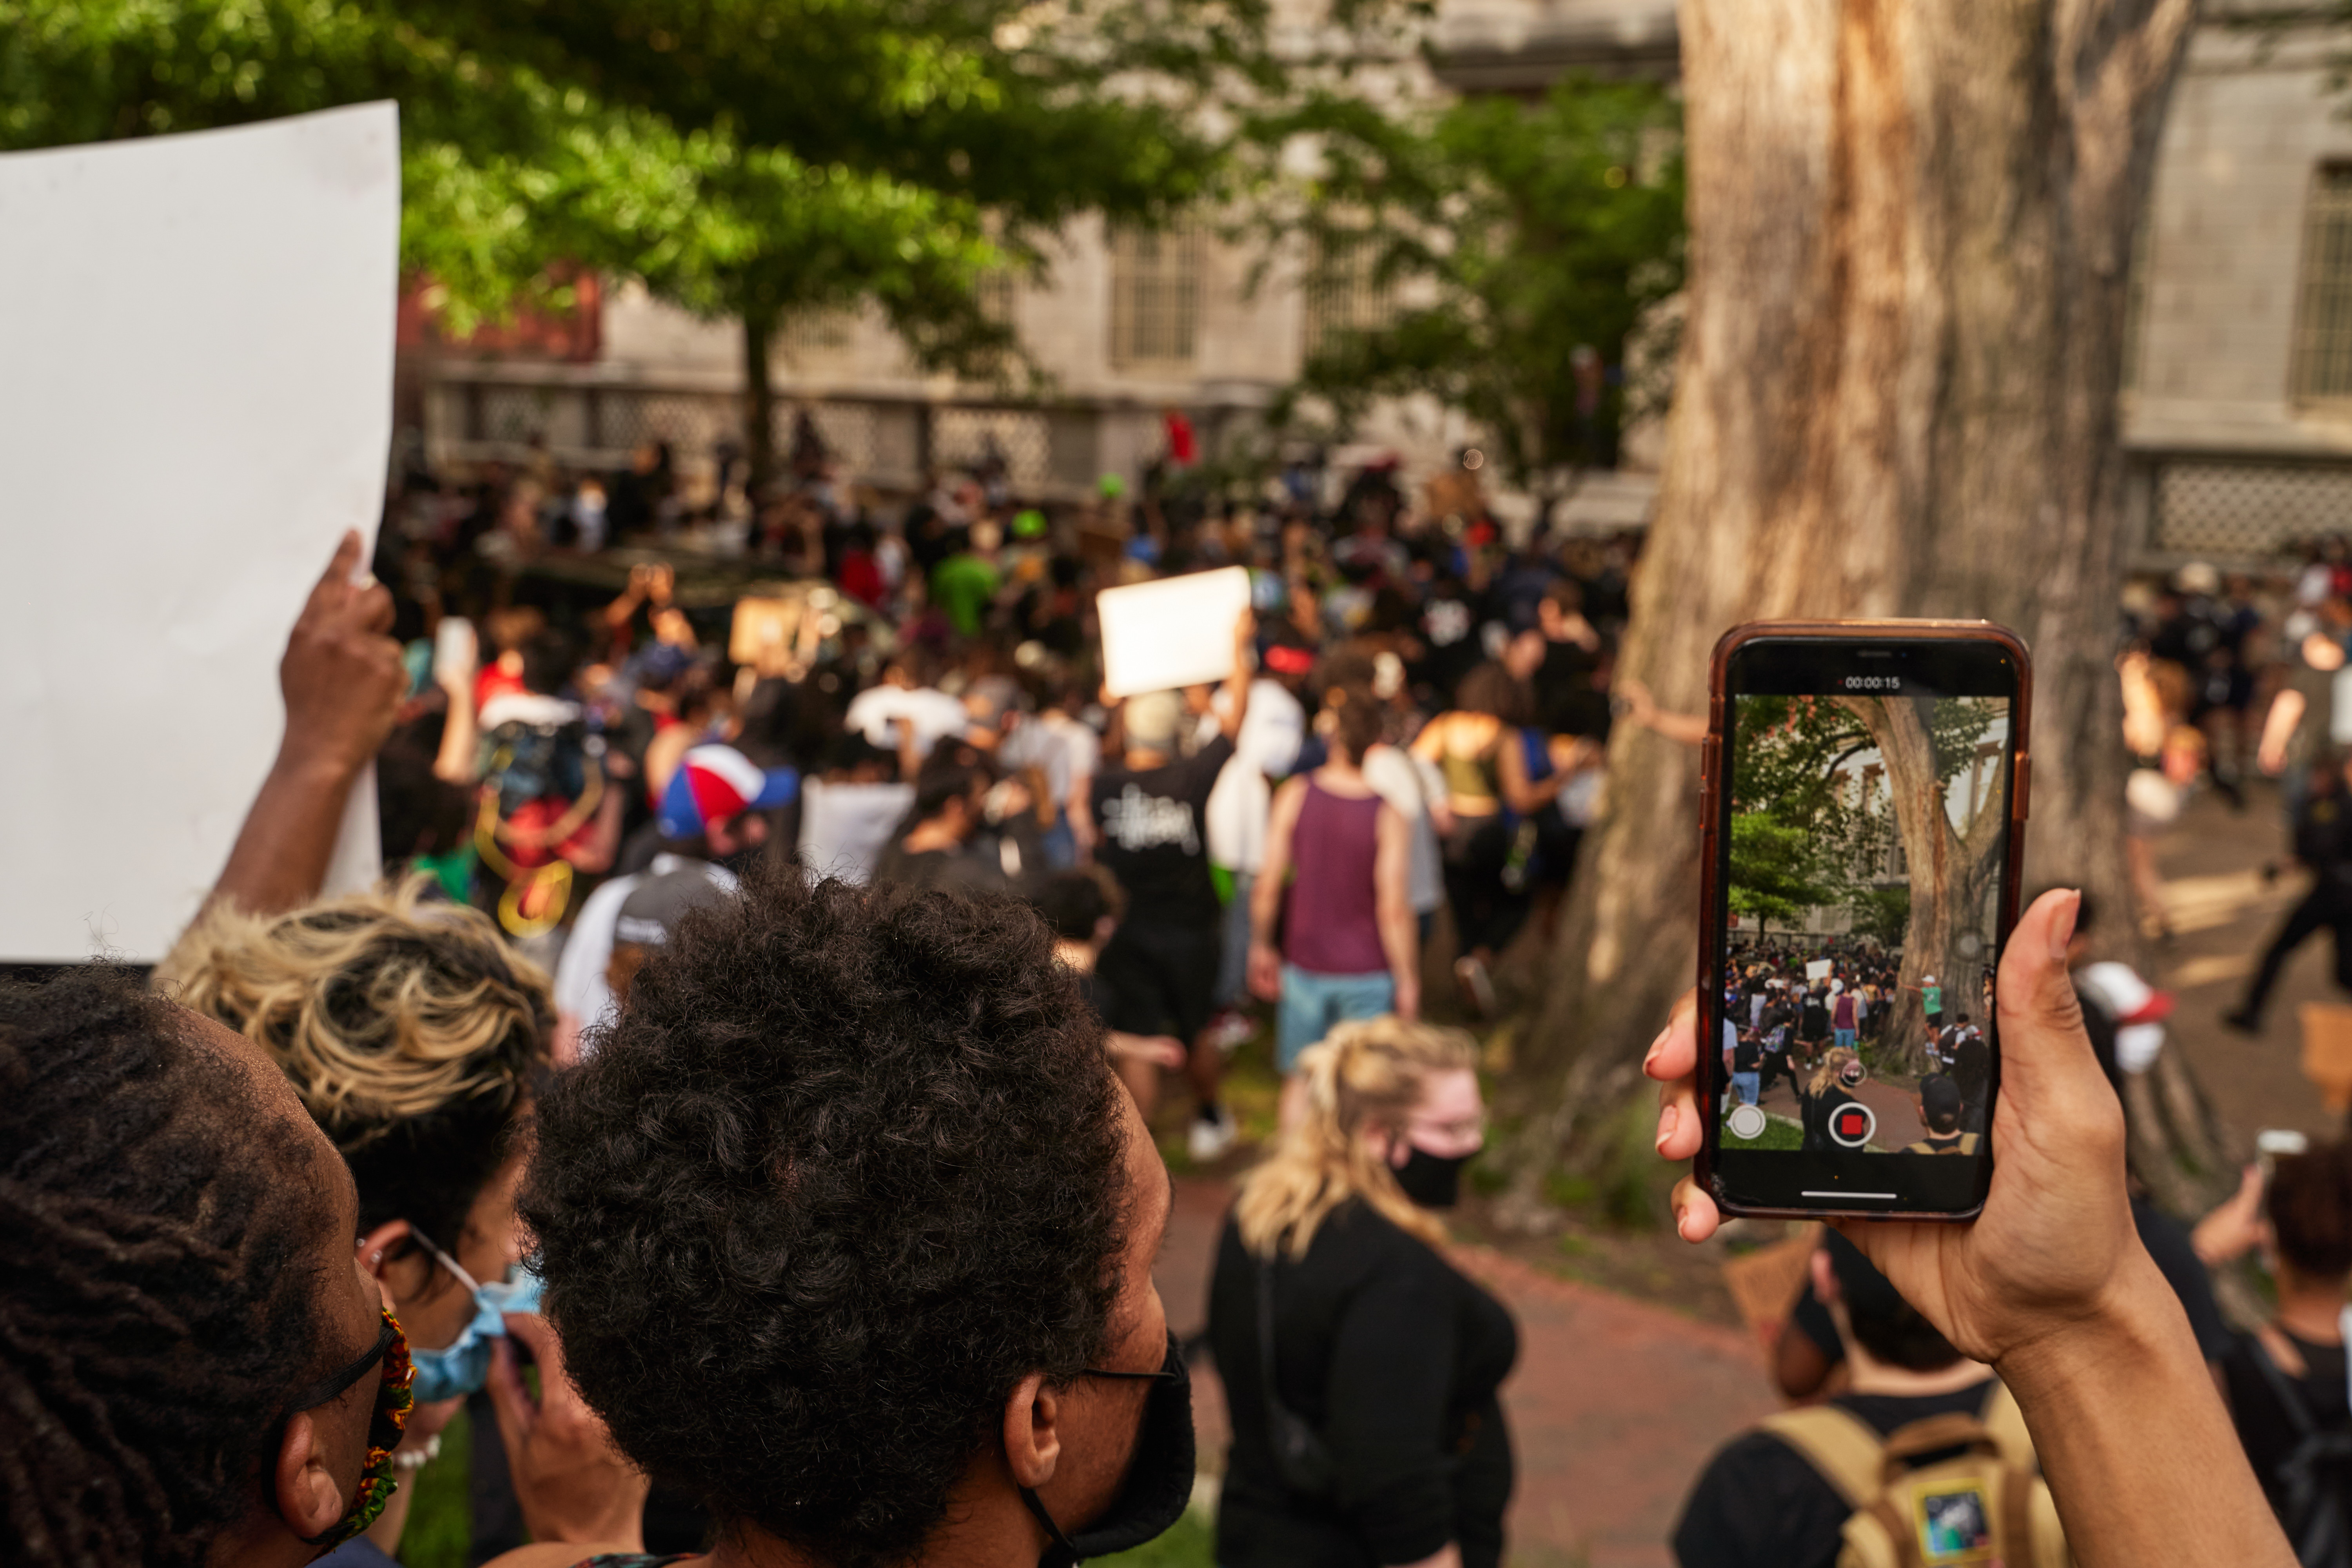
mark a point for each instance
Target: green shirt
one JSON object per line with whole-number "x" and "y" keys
{"x": 962, "y": 586}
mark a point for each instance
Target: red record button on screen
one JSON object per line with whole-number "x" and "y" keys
{"x": 1852, "y": 1124}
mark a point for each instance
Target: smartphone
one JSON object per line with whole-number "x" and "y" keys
{"x": 1863, "y": 799}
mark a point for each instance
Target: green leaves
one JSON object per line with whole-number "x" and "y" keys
{"x": 1508, "y": 236}
{"x": 1775, "y": 868}
{"x": 1809, "y": 825}
{"x": 742, "y": 157}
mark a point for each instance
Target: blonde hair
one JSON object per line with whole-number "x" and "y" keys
{"x": 1364, "y": 1075}
{"x": 1826, "y": 1074}
{"x": 379, "y": 1006}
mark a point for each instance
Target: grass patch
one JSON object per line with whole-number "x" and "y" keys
{"x": 441, "y": 1519}
{"x": 1192, "y": 1543}
{"x": 1251, "y": 1093}
{"x": 1779, "y": 1132}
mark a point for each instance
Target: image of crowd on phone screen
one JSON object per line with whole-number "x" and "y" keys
{"x": 1872, "y": 830}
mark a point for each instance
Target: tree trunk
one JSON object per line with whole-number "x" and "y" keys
{"x": 1910, "y": 226}
{"x": 1950, "y": 870}
{"x": 759, "y": 405}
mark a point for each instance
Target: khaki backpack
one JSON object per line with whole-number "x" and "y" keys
{"x": 1984, "y": 1503}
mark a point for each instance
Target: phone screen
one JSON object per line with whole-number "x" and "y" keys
{"x": 1863, "y": 844}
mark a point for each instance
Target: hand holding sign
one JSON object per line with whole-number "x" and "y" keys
{"x": 341, "y": 676}
{"x": 1158, "y": 637}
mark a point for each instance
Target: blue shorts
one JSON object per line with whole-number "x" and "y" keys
{"x": 1846, "y": 1038}
{"x": 1312, "y": 1003}
{"x": 1749, "y": 1087}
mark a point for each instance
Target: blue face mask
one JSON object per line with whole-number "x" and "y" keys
{"x": 463, "y": 1365}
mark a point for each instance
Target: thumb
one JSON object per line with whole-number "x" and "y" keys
{"x": 555, "y": 1390}
{"x": 2042, "y": 1042}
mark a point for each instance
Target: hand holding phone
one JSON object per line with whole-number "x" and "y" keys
{"x": 2055, "y": 1232}
{"x": 1864, "y": 805}
{"x": 572, "y": 1484}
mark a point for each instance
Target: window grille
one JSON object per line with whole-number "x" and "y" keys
{"x": 962, "y": 437}
{"x": 2241, "y": 510}
{"x": 1344, "y": 294}
{"x": 992, "y": 290}
{"x": 1155, "y": 298}
{"x": 817, "y": 334}
{"x": 2322, "y": 363}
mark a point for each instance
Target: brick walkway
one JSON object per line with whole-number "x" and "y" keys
{"x": 1614, "y": 1406}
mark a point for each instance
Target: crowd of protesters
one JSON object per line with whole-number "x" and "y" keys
{"x": 1416, "y": 722}
{"x": 760, "y": 1050}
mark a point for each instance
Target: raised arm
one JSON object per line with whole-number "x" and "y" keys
{"x": 1237, "y": 684}
{"x": 2051, "y": 1287}
{"x": 341, "y": 679}
{"x": 459, "y": 756}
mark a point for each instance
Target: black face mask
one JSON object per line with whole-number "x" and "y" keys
{"x": 1158, "y": 1484}
{"x": 1433, "y": 1181}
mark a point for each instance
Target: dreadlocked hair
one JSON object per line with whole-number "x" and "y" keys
{"x": 412, "y": 1034}
{"x": 1364, "y": 1076}
{"x": 158, "y": 1232}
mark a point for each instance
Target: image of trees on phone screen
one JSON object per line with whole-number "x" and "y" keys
{"x": 1867, "y": 837}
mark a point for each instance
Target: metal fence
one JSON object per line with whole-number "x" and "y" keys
{"x": 474, "y": 414}
{"x": 2246, "y": 508}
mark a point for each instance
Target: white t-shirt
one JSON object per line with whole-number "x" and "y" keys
{"x": 1272, "y": 730}
{"x": 1057, "y": 746}
{"x": 1390, "y": 772}
{"x": 935, "y": 715}
{"x": 580, "y": 993}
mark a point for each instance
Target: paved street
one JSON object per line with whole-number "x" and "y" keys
{"x": 2223, "y": 913}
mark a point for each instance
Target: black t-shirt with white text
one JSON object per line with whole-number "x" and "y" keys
{"x": 1153, "y": 826}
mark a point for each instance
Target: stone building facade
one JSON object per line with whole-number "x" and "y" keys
{"x": 2238, "y": 403}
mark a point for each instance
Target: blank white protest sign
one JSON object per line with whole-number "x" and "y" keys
{"x": 195, "y": 402}
{"x": 1178, "y": 631}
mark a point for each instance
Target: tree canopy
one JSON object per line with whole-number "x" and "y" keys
{"x": 1811, "y": 816}
{"x": 745, "y": 158}
{"x": 1503, "y": 241}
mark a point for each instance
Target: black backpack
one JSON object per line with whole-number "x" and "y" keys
{"x": 2315, "y": 1479}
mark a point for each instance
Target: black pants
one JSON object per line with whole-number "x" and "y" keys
{"x": 2324, "y": 909}
{"x": 1486, "y": 913}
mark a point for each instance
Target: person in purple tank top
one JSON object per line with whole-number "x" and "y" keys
{"x": 1335, "y": 881}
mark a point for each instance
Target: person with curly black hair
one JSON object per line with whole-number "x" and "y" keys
{"x": 190, "y": 1362}
{"x": 848, "y": 1229}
